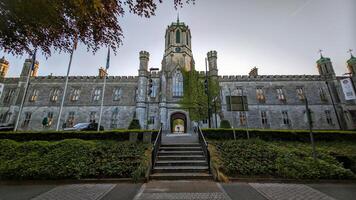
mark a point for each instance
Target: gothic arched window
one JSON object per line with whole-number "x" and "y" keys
{"x": 178, "y": 84}
{"x": 187, "y": 38}
{"x": 177, "y": 36}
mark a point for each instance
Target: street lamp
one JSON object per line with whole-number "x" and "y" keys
{"x": 216, "y": 120}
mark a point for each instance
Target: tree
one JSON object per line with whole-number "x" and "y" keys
{"x": 58, "y": 24}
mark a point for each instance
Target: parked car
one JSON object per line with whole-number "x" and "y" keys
{"x": 84, "y": 127}
{"x": 7, "y": 127}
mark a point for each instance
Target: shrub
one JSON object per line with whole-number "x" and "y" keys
{"x": 225, "y": 124}
{"x": 73, "y": 158}
{"x": 118, "y": 135}
{"x": 260, "y": 158}
{"x": 281, "y": 135}
{"x": 135, "y": 124}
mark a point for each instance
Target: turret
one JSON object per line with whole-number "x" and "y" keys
{"x": 102, "y": 72}
{"x": 351, "y": 65}
{"x": 142, "y": 89}
{"x": 212, "y": 63}
{"x": 325, "y": 67}
{"x": 4, "y": 67}
{"x": 26, "y": 67}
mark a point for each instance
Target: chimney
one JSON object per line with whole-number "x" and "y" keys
{"x": 102, "y": 72}
{"x": 253, "y": 72}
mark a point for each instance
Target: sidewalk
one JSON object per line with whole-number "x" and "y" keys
{"x": 179, "y": 190}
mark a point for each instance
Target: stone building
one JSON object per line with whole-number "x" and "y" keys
{"x": 272, "y": 101}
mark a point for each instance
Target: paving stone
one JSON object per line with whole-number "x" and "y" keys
{"x": 77, "y": 192}
{"x": 275, "y": 191}
{"x": 184, "y": 196}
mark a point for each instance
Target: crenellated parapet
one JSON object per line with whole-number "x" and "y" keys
{"x": 271, "y": 78}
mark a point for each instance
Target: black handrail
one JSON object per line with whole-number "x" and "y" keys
{"x": 155, "y": 148}
{"x": 204, "y": 144}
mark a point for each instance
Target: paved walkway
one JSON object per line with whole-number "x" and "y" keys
{"x": 179, "y": 190}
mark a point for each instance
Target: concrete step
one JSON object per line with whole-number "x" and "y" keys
{"x": 181, "y": 176}
{"x": 180, "y": 169}
{"x": 180, "y": 149}
{"x": 178, "y": 153}
{"x": 181, "y": 163}
{"x": 181, "y": 145}
{"x": 182, "y": 157}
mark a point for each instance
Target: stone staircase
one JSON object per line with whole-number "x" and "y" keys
{"x": 178, "y": 160}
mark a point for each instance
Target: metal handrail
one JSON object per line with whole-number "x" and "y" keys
{"x": 204, "y": 144}
{"x": 156, "y": 146}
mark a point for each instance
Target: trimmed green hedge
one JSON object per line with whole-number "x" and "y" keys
{"x": 71, "y": 159}
{"x": 280, "y": 135}
{"x": 259, "y": 158}
{"x": 118, "y": 135}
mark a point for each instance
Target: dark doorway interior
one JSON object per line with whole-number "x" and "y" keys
{"x": 178, "y": 123}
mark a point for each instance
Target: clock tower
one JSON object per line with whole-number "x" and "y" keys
{"x": 178, "y": 51}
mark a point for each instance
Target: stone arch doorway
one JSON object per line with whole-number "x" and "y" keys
{"x": 178, "y": 122}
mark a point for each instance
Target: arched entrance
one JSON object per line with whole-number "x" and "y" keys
{"x": 178, "y": 123}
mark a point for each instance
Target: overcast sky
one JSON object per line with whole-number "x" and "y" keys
{"x": 277, "y": 36}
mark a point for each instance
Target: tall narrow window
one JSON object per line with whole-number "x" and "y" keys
{"x": 34, "y": 95}
{"x": 285, "y": 118}
{"x": 70, "y": 119}
{"x": 96, "y": 95}
{"x": 5, "y": 117}
{"x": 50, "y": 118}
{"x": 187, "y": 38}
{"x": 9, "y": 95}
{"x": 328, "y": 117}
{"x": 117, "y": 94}
{"x": 151, "y": 120}
{"x": 154, "y": 90}
{"x": 178, "y": 36}
{"x": 264, "y": 118}
{"x": 280, "y": 95}
{"x": 92, "y": 116}
{"x": 300, "y": 93}
{"x": 54, "y": 95}
{"x": 322, "y": 95}
{"x": 178, "y": 84}
{"x": 75, "y": 94}
{"x": 114, "y": 119}
{"x": 260, "y": 95}
{"x": 27, "y": 120}
{"x": 242, "y": 118}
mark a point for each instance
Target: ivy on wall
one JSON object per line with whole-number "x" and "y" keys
{"x": 195, "y": 99}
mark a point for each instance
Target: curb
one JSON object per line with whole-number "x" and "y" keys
{"x": 305, "y": 181}
{"x": 70, "y": 181}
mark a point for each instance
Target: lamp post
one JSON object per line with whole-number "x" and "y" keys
{"x": 150, "y": 90}
{"x": 207, "y": 89}
{"x": 244, "y": 110}
{"x": 310, "y": 124}
{"x": 216, "y": 120}
{"x": 232, "y": 115}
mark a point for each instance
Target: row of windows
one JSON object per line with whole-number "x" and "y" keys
{"x": 285, "y": 118}
{"x": 69, "y": 122}
{"x": 73, "y": 96}
{"x": 178, "y": 37}
{"x": 261, "y": 97}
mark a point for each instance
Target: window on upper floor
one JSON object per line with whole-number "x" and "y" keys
{"x": 75, "y": 93}
{"x": 285, "y": 118}
{"x": 300, "y": 93}
{"x": 260, "y": 95}
{"x": 154, "y": 90}
{"x": 97, "y": 94}
{"x": 178, "y": 84}
{"x": 322, "y": 95}
{"x": 34, "y": 95}
{"x": 236, "y": 103}
{"x": 54, "y": 95}
{"x": 27, "y": 119}
{"x": 280, "y": 95}
{"x": 9, "y": 94}
{"x": 328, "y": 117}
{"x": 117, "y": 94}
{"x": 178, "y": 36}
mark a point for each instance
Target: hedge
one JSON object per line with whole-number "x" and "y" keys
{"x": 71, "y": 159}
{"x": 280, "y": 135}
{"x": 265, "y": 159}
{"x": 118, "y": 135}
